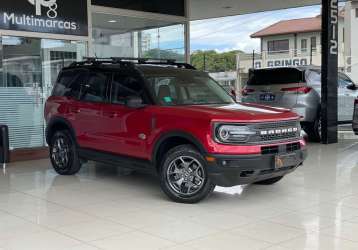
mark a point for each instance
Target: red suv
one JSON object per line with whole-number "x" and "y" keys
{"x": 169, "y": 119}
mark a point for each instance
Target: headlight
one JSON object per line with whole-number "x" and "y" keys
{"x": 233, "y": 133}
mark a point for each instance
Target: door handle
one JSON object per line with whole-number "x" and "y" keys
{"x": 111, "y": 114}
{"x": 75, "y": 110}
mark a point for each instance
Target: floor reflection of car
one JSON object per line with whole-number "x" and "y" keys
{"x": 299, "y": 89}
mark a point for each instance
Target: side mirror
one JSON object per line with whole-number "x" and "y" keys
{"x": 352, "y": 87}
{"x": 134, "y": 102}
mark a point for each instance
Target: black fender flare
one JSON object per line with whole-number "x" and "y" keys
{"x": 185, "y": 135}
{"x": 54, "y": 121}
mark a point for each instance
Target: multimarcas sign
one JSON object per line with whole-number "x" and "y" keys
{"x": 67, "y": 17}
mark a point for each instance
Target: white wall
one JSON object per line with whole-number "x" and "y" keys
{"x": 351, "y": 38}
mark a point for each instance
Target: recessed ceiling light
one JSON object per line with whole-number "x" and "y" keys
{"x": 112, "y": 21}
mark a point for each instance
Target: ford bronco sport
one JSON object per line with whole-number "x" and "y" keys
{"x": 170, "y": 119}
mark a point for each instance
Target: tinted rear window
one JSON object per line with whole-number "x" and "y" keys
{"x": 275, "y": 76}
{"x": 69, "y": 83}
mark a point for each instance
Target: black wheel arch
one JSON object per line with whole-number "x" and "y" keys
{"x": 56, "y": 124}
{"x": 172, "y": 139}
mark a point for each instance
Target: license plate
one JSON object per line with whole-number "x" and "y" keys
{"x": 285, "y": 160}
{"x": 267, "y": 97}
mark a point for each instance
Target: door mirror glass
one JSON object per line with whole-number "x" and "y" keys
{"x": 134, "y": 102}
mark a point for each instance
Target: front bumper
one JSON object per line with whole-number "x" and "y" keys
{"x": 228, "y": 171}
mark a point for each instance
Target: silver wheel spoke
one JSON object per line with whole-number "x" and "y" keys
{"x": 185, "y": 175}
{"x": 179, "y": 182}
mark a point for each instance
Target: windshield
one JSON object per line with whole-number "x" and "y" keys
{"x": 187, "y": 90}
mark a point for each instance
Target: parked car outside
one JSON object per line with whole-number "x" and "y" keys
{"x": 355, "y": 117}
{"x": 299, "y": 89}
{"x": 168, "y": 119}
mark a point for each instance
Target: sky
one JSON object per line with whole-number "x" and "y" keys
{"x": 233, "y": 33}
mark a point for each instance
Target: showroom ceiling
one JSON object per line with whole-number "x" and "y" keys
{"x": 123, "y": 24}
{"x": 203, "y": 9}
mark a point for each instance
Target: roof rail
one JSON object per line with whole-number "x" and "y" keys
{"x": 131, "y": 61}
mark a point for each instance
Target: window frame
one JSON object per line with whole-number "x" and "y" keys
{"x": 304, "y": 42}
{"x": 313, "y": 38}
{"x": 273, "y": 46}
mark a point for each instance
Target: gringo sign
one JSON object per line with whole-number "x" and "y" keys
{"x": 45, "y": 16}
{"x": 281, "y": 63}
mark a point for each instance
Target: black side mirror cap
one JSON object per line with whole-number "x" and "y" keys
{"x": 134, "y": 102}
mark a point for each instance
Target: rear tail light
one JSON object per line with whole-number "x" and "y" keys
{"x": 247, "y": 91}
{"x": 356, "y": 101}
{"x": 301, "y": 90}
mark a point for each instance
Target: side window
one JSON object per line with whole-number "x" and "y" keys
{"x": 164, "y": 89}
{"x": 94, "y": 90}
{"x": 69, "y": 83}
{"x": 124, "y": 86}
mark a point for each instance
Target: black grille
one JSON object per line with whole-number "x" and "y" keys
{"x": 293, "y": 147}
{"x": 288, "y": 148}
{"x": 274, "y": 126}
{"x": 277, "y": 137}
{"x": 269, "y": 150}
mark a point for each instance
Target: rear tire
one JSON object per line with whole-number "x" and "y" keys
{"x": 63, "y": 153}
{"x": 269, "y": 181}
{"x": 314, "y": 130}
{"x": 183, "y": 175}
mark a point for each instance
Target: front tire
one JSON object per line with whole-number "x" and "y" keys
{"x": 63, "y": 153}
{"x": 183, "y": 176}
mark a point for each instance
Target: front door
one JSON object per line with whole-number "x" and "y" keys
{"x": 126, "y": 129}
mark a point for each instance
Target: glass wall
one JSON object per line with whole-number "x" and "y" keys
{"x": 28, "y": 69}
{"x": 122, "y": 36}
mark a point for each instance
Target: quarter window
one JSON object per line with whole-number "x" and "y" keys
{"x": 69, "y": 84}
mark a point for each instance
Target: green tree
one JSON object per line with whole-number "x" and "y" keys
{"x": 212, "y": 61}
{"x": 164, "y": 54}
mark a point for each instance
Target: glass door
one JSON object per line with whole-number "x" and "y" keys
{"x": 28, "y": 70}
{"x": 21, "y": 102}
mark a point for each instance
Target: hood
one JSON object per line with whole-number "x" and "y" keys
{"x": 238, "y": 112}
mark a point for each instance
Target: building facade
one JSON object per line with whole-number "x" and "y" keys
{"x": 297, "y": 42}
{"x": 38, "y": 38}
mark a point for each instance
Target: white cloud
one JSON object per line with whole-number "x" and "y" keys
{"x": 234, "y": 32}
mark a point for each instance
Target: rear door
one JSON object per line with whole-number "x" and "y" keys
{"x": 274, "y": 87}
{"x": 88, "y": 111}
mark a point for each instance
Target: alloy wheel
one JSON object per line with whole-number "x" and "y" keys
{"x": 61, "y": 152}
{"x": 186, "y": 175}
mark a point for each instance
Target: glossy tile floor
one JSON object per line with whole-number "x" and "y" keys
{"x": 107, "y": 208}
